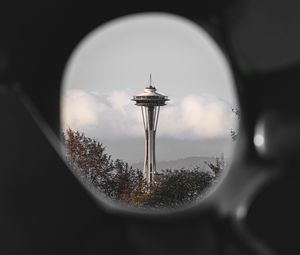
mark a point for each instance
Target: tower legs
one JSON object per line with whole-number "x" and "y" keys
{"x": 150, "y": 118}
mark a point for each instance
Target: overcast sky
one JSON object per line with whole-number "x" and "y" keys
{"x": 114, "y": 62}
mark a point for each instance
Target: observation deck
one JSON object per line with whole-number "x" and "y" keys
{"x": 150, "y": 98}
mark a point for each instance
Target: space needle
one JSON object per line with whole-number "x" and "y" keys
{"x": 150, "y": 102}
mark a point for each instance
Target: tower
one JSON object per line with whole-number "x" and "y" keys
{"x": 150, "y": 102}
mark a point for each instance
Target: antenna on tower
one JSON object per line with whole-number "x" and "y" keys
{"x": 150, "y": 80}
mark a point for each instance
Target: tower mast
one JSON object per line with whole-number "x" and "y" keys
{"x": 150, "y": 102}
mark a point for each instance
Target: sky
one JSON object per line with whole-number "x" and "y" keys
{"x": 113, "y": 63}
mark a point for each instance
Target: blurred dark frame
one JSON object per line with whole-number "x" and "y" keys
{"x": 260, "y": 41}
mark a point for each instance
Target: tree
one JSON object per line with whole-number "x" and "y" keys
{"x": 177, "y": 187}
{"x": 218, "y": 166}
{"x": 89, "y": 156}
{"x": 121, "y": 182}
{"x": 115, "y": 178}
{"x": 234, "y": 133}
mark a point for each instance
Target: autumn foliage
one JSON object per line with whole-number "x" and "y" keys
{"x": 121, "y": 182}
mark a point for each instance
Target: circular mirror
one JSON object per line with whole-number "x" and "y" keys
{"x": 149, "y": 111}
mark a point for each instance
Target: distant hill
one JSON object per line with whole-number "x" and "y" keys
{"x": 187, "y": 163}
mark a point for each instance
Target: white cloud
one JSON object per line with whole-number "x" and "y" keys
{"x": 197, "y": 116}
{"x": 81, "y": 109}
{"x": 115, "y": 116}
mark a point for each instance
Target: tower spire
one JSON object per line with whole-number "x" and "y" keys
{"x": 150, "y": 82}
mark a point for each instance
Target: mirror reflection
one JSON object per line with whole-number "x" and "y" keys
{"x": 149, "y": 114}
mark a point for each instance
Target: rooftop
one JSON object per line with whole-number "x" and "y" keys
{"x": 149, "y": 97}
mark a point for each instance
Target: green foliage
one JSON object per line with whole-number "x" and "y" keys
{"x": 121, "y": 182}
{"x": 177, "y": 187}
